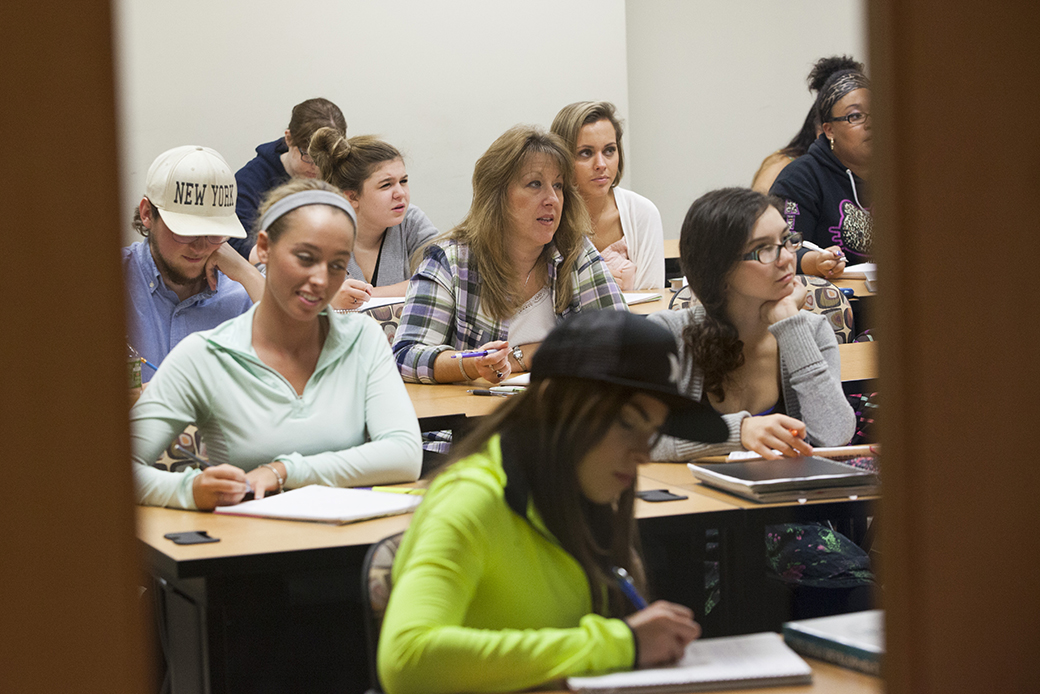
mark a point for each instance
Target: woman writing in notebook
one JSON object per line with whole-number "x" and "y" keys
{"x": 506, "y": 579}
{"x": 286, "y": 394}
{"x": 626, "y": 227}
{"x": 371, "y": 173}
{"x": 771, "y": 369}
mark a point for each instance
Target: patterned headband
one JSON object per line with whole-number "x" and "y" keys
{"x": 845, "y": 82}
{"x": 302, "y": 199}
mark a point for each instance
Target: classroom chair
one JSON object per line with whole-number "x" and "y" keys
{"x": 388, "y": 317}
{"x": 826, "y": 299}
{"x": 375, "y": 592}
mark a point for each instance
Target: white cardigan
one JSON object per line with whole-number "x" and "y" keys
{"x": 644, "y": 233}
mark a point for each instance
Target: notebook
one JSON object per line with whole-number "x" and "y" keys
{"x": 321, "y": 504}
{"x": 732, "y": 662}
{"x": 633, "y": 298}
{"x": 788, "y": 479}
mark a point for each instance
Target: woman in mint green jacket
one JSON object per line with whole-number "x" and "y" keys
{"x": 506, "y": 578}
{"x": 286, "y": 394}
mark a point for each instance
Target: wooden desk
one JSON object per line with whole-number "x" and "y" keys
{"x": 294, "y": 588}
{"x": 827, "y": 679}
{"x": 671, "y": 248}
{"x": 859, "y": 361}
{"x": 451, "y": 399}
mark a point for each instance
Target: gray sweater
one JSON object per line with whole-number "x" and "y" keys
{"x": 399, "y": 243}
{"x": 810, "y": 370}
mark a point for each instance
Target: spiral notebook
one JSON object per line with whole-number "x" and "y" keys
{"x": 732, "y": 662}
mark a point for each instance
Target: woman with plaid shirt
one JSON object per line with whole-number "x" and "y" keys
{"x": 519, "y": 263}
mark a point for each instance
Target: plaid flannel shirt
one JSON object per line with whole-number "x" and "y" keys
{"x": 442, "y": 307}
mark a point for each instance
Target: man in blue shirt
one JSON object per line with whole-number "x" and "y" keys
{"x": 184, "y": 277}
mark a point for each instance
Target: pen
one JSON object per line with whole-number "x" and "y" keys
{"x": 463, "y": 355}
{"x": 484, "y": 391}
{"x": 400, "y": 490}
{"x": 624, "y": 582}
{"x": 203, "y": 464}
{"x": 145, "y": 361}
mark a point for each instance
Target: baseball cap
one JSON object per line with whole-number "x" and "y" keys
{"x": 627, "y": 350}
{"x": 195, "y": 190}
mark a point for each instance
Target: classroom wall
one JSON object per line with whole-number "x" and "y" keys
{"x": 714, "y": 87}
{"x": 440, "y": 80}
{"x": 708, "y": 89}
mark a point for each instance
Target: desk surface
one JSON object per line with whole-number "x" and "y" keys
{"x": 858, "y": 362}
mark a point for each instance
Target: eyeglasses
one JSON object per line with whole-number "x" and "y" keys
{"x": 637, "y": 437}
{"x": 215, "y": 240}
{"x": 306, "y": 157}
{"x": 769, "y": 254}
{"x": 854, "y": 118}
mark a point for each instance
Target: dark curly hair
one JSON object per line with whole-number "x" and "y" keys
{"x": 714, "y": 233}
{"x": 818, "y": 76}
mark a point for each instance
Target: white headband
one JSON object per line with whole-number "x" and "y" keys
{"x": 302, "y": 199}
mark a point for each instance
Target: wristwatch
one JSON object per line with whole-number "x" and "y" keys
{"x": 518, "y": 354}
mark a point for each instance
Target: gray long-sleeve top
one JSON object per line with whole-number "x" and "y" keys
{"x": 810, "y": 369}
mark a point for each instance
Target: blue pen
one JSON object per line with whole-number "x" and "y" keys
{"x": 463, "y": 355}
{"x": 624, "y": 582}
{"x": 145, "y": 361}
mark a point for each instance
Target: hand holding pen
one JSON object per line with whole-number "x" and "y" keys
{"x": 218, "y": 485}
{"x": 490, "y": 362}
{"x": 661, "y": 630}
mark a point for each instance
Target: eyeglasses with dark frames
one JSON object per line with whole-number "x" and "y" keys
{"x": 854, "y": 118}
{"x": 769, "y": 254}
{"x": 306, "y": 157}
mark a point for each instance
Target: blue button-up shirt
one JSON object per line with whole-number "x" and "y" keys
{"x": 158, "y": 320}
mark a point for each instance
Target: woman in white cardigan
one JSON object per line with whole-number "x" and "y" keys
{"x": 627, "y": 227}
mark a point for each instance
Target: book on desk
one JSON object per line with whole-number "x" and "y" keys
{"x": 788, "y": 479}
{"x": 855, "y": 640}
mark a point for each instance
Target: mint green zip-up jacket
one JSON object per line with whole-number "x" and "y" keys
{"x": 353, "y": 425}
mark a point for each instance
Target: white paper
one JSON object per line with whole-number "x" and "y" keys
{"x": 633, "y": 298}
{"x": 325, "y": 505}
{"x": 518, "y": 380}
{"x": 727, "y": 659}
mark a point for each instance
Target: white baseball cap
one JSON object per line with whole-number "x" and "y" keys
{"x": 195, "y": 190}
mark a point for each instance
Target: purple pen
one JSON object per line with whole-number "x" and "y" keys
{"x": 463, "y": 355}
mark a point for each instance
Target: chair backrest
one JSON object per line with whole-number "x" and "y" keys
{"x": 682, "y": 299}
{"x": 826, "y": 299}
{"x": 388, "y": 317}
{"x": 175, "y": 461}
{"x": 376, "y": 583}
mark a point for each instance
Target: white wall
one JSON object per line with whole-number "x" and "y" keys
{"x": 714, "y": 87}
{"x": 439, "y": 79}
{"x": 708, "y": 88}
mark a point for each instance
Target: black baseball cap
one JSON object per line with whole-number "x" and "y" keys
{"x": 627, "y": 350}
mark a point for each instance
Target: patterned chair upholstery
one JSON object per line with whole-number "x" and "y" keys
{"x": 376, "y": 583}
{"x": 175, "y": 461}
{"x": 388, "y": 317}
{"x": 826, "y": 299}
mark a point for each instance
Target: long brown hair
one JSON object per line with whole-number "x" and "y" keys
{"x": 556, "y": 423}
{"x": 347, "y": 163}
{"x": 310, "y": 115}
{"x": 714, "y": 233}
{"x": 486, "y": 225}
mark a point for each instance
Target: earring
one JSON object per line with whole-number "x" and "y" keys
{"x": 832, "y": 144}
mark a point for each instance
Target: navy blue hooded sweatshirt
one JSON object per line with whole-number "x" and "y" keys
{"x": 827, "y": 203}
{"x": 259, "y": 175}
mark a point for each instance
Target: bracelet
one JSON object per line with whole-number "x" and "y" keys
{"x": 462, "y": 370}
{"x": 281, "y": 480}
{"x": 518, "y": 354}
